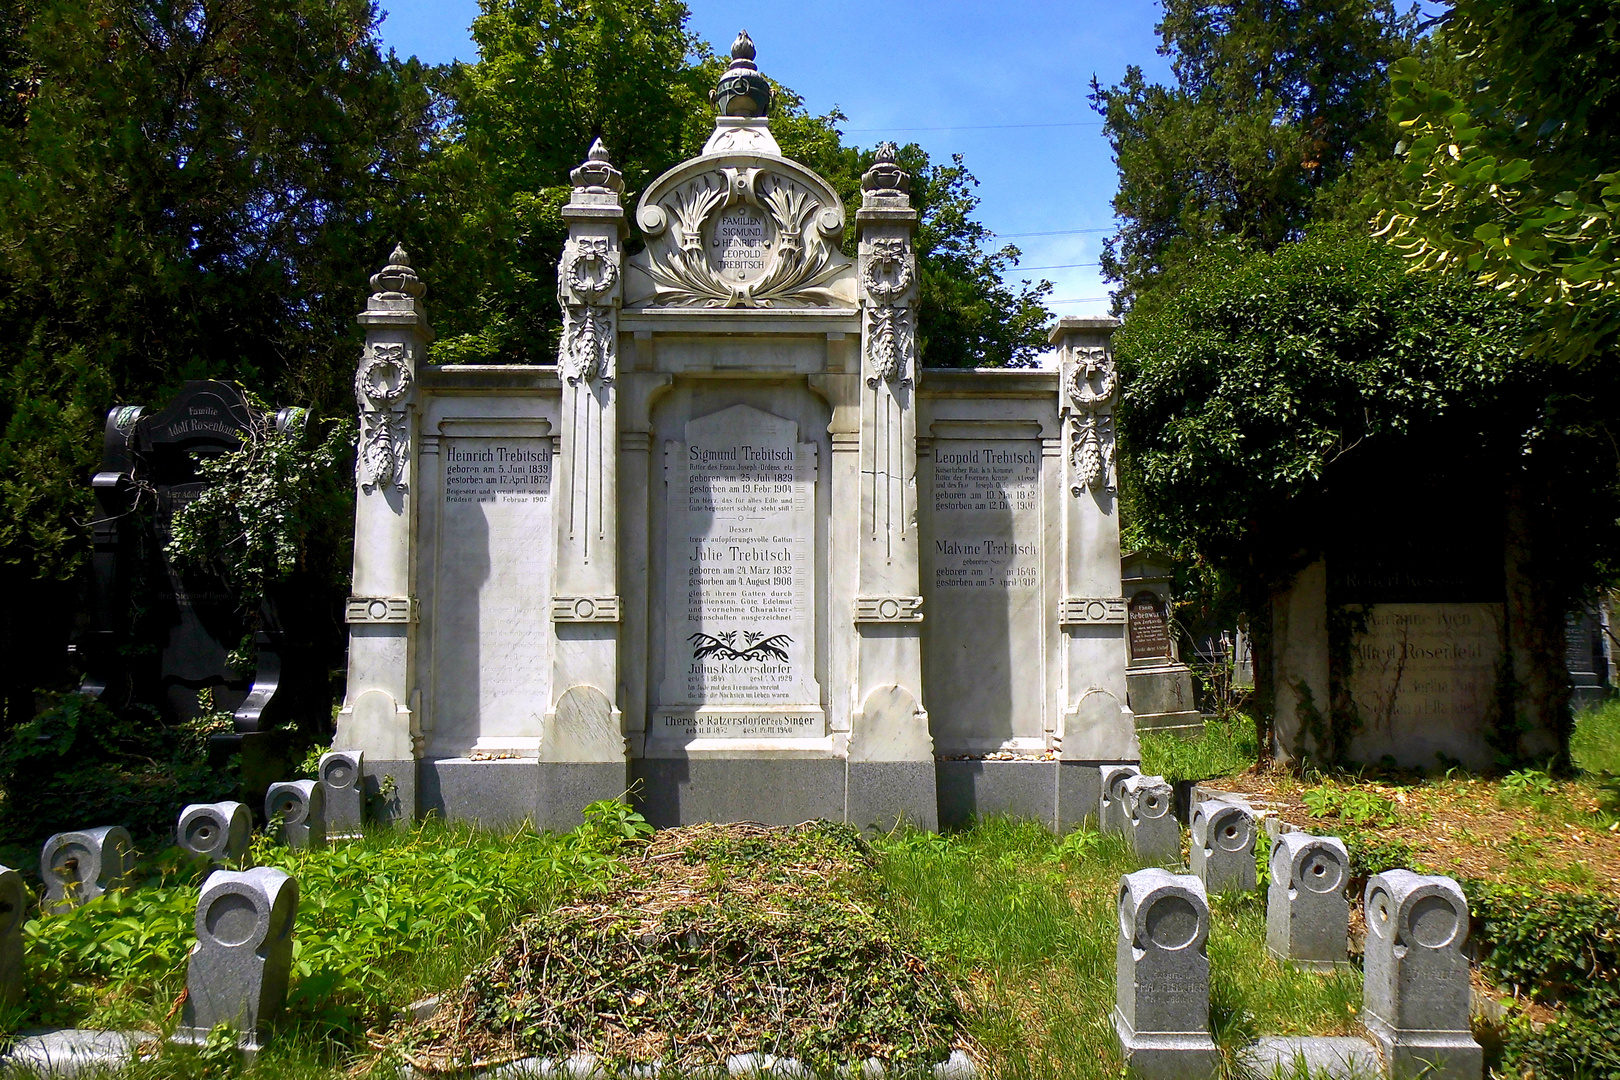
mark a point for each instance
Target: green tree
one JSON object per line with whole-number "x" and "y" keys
{"x": 187, "y": 188}
{"x": 555, "y": 74}
{"x": 1515, "y": 180}
{"x": 1277, "y": 108}
{"x": 1320, "y": 396}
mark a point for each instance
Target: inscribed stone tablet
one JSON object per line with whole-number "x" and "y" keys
{"x": 982, "y": 570}
{"x": 741, "y": 244}
{"x": 1424, "y": 679}
{"x": 1149, "y": 629}
{"x": 740, "y": 585}
{"x": 492, "y": 632}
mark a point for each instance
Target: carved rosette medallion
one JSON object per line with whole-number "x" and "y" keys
{"x": 742, "y": 237}
{"x": 381, "y": 386}
{"x": 1090, "y": 388}
{"x": 587, "y": 280}
{"x": 891, "y": 338}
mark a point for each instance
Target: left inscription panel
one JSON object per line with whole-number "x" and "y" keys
{"x": 492, "y": 630}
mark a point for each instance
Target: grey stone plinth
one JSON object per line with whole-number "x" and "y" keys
{"x": 237, "y": 972}
{"x": 1161, "y": 696}
{"x": 883, "y": 795}
{"x": 1307, "y": 913}
{"x": 1222, "y": 849}
{"x": 566, "y": 788}
{"x": 300, "y": 806}
{"x": 1321, "y": 1057}
{"x": 14, "y": 904}
{"x": 1079, "y": 794}
{"x": 774, "y": 791}
{"x": 494, "y": 794}
{"x": 218, "y": 832}
{"x": 970, "y": 790}
{"x": 1416, "y": 995}
{"x": 69, "y": 1052}
{"x": 80, "y": 866}
{"x": 1150, "y": 827}
{"x": 1111, "y": 795}
{"x": 1161, "y": 967}
{"x": 389, "y": 792}
{"x": 343, "y": 780}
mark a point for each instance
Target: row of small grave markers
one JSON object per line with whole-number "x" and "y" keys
{"x": 1415, "y": 990}
{"x": 237, "y": 973}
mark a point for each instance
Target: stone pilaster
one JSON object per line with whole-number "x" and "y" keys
{"x": 890, "y": 723}
{"x": 378, "y": 715}
{"x": 584, "y": 723}
{"x": 1097, "y": 722}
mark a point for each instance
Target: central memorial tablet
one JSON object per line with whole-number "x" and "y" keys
{"x": 739, "y": 588}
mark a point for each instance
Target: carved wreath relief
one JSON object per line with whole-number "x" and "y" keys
{"x": 1091, "y": 387}
{"x": 741, "y": 237}
{"x": 890, "y": 337}
{"x": 586, "y": 278}
{"x": 381, "y": 385}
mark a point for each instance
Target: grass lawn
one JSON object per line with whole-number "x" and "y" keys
{"x": 1020, "y": 924}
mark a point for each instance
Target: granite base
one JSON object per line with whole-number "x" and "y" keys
{"x": 772, "y": 791}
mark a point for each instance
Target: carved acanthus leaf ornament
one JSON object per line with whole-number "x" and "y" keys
{"x": 586, "y": 278}
{"x": 891, "y": 338}
{"x": 1091, "y": 387}
{"x": 380, "y": 386}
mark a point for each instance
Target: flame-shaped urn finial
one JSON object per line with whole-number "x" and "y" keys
{"x": 743, "y": 91}
{"x": 596, "y": 173}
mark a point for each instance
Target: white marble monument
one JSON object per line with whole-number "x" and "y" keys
{"x": 737, "y": 550}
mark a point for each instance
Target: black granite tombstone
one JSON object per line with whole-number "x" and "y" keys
{"x": 161, "y": 632}
{"x": 1585, "y": 657}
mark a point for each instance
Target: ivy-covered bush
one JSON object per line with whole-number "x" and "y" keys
{"x": 1562, "y": 949}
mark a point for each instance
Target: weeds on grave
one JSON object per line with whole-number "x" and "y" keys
{"x": 717, "y": 940}
{"x": 1354, "y": 806}
{"x": 1226, "y": 746}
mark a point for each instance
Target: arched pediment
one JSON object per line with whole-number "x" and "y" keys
{"x": 741, "y": 226}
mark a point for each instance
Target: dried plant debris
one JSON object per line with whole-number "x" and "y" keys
{"x": 719, "y": 940}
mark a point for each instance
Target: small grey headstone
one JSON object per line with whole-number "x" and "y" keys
{"x": 238, "y": 970}
{"x": 1222, "y": 852}
{"x": 1416, "y": 995}
{"x": 14, "y": 904}
{"x": 342, "y": 778}
{"x": 219, "y": 832}
{"x": 68, "y": 1052}
{"x": 1153, "y": 831}
{"x": 300, "y": 805}
{"x": 1307, "y": 913}
{"x": 1111, "y": 803}
{"x": 1161, "y": 1012}
{"x": 80, "y": 866}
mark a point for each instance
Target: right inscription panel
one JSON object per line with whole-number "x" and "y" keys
{"x": 982, "y": 589}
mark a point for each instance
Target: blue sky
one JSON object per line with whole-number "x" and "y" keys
{"x": 1002, "y": 84}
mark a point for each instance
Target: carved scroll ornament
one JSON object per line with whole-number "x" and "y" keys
{"x": 798, "y": 255}
{"x": 381, "y": 385}
{"x": 586, "y": 278}
{"x": 891, "y": 342}
{"x": 1091, "y": 386}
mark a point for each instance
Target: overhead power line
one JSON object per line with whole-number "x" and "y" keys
{"x": 971, "y": 127}
{"x": 1054, "y": 266}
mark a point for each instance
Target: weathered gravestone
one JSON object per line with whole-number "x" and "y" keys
{"x": 343, "y": 782}
{"x": 1150, "y": 821}
{"x": 1161, "y": 1011}
{"x": 1417, "y": 993}
{"x": 219, "y": 832}
{"x": 1307, "y": 912}
{"x": 1161, "y": 688}
{"x": 80, "y": 866}
{"x": 237, "y": 973}
{"x": 1586, "y": 654}
{"x": 1111, "y": 796}
{"x": 739, "y": 548}
{"x": 300, "y": 806}
{"x": 141, "y": 596}
{"x": 1222, "y": 845}
{"x": 14, "y": 904}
